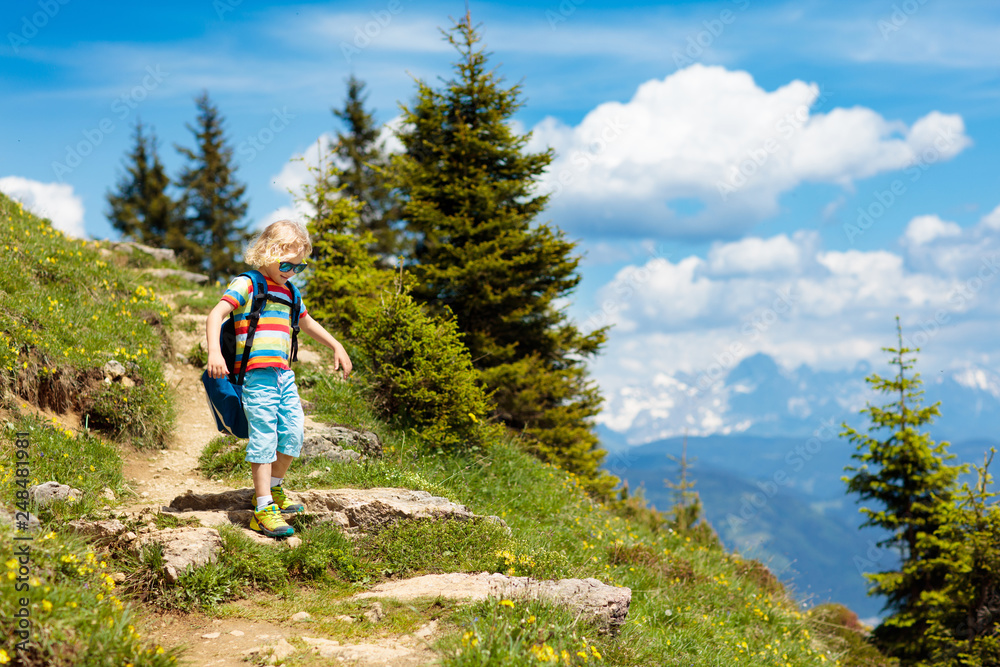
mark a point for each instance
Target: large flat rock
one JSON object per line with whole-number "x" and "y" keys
{"x": 365, "y": 509}
{"x": 607, "y": 604}
{"x": 183, "y": 548}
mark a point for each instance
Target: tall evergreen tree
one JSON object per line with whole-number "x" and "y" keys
{"x": 342, "y": 274}
{"x": 213, "y": 201}
{"x": 140, "y": 208}
{"x": 365, "y": 175}
{"x": 908, "y": 475}
{"x": 469, "y": 198}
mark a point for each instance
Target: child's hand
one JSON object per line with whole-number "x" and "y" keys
{"x": 217, "y": 365}
{"x": 342, "y": 362}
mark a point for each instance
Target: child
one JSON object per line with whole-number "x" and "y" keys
{"x": 270, "y": 397}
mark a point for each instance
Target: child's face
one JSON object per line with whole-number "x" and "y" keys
{"x": 274, "y": 272}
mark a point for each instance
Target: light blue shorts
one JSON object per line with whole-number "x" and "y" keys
{"x": 272, "y": 406}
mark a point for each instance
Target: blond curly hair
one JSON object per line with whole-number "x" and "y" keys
{"x": 278, "y": 242}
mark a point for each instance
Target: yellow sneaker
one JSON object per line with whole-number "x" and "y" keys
{"x": 269, "y": 521}
{"x": 283, "y": 502}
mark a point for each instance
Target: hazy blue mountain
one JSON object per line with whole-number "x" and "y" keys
{"x": 758, "y": 397}
{"x": 770, "y": 460}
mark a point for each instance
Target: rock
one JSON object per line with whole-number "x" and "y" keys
{"x": 273, "y": 652}
{"x": 9, "y": 519}
{"x": 212, "y": 635}
{"x": 183, "y": 548}
{"x": 301, "y": 616}
{"x": 345, "y": 619}
{"x": 129, "y": 536}
{"x": 270, "y": 541}
{"x": 607, "y": 604}
{"x": 236, "y": 499}
{"x": 237, "y": 633}
{"x": 177, "y": 273}
{"x": 108, "y": 494}
{"x": 113, "y": 369}
{"x": 375, "y": 613}
{"x": 293, "y": 541}
{"x": 426, "y": 631}
{"x": 98, "y": 529}
{"x": 50, "y": 492}
{"x": 318, "y": 442}
{"x": 118, "y": 577}
{"x": 127, "y": 382}
{"x": 159, "y": 254}
{"x": 373, "y": 508}
{"x": 314, "y": 446}
{"x": 314, "y": 474}
{"x": 324, "y": 647}
{"x": 346, "y": 508}
{"x": 207, "y": 519}
{"x": 371, "y": 654}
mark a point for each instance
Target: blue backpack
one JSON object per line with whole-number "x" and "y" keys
{"x": 225, "y": 395}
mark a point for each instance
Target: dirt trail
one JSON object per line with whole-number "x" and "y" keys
{"x": 158, "y": 477}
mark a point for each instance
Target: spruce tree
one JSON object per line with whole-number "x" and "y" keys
{"x": 961, "y": 618}
{"x": 687, "y": 502}
{"x": 213, "y": 201}
{"x": 364, "y": 176}
{"x": 908, "y": 476}
{"x": 468, "y": 186}
{"x": 343, "y": 275}
{"x": 140, "y": 208}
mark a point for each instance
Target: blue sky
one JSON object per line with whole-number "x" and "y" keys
{"x": 713, "y": 153}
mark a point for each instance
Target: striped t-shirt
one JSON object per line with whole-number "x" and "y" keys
{"x": 272, "y": 343}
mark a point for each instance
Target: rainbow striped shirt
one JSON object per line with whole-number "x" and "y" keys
{"x": 272, "y": 343}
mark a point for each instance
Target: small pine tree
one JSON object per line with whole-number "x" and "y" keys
{"x": 213, "y": 201}
{"x": 687, "y": 503}
{"x": 907, "y": 474}
{"x": 342, "y": 275}
{"x": 140, "y": 208}
{"x": 961, "y": 618}
{"x": 420, "y": 373}
{"x": 470, "y": 201}
{"x": 365, "y": 178}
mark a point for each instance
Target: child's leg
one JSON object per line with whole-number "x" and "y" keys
{"x": 262, "y": 478}
{"x": 290, "y": 424}
{"x": 260, "y": 403}
{"x": 289, "y": 432}
{"x": 280, "y": 467}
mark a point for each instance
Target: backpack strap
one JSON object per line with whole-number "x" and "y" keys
{"x": 296, "y": 311}
{"x": 253, "y": 317}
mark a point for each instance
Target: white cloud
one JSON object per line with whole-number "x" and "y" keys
{"x": 802, "y": 304}
{"x": 706, "y": 151}
{"x": 54, "y": 201}
{"x": 991, "y": 220}
{"x": 754, "y": 255}
{"x": 925, "y": 228}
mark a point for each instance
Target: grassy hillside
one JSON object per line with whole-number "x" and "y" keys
{"x": 692, "y": 602}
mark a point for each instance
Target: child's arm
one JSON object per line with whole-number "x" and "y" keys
{"x": 341, "y": 361}
{"x": 213, "y": 327}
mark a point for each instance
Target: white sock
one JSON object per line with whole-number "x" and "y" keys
{"x": 276, "y": 481}
{"x": 263, "y": 501}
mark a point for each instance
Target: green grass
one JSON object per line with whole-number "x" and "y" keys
{"x": 505, "y": 632}
{"x": 80, "y": 312}
{"x": 79, "y": 460}
{"x": 77, "y": 617}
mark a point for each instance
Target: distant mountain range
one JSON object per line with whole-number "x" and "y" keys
{"x": 758, "y": 397}
{"x": 769, "y": 461}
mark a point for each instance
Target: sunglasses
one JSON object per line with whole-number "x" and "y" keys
{"x": 285, "y": 267}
